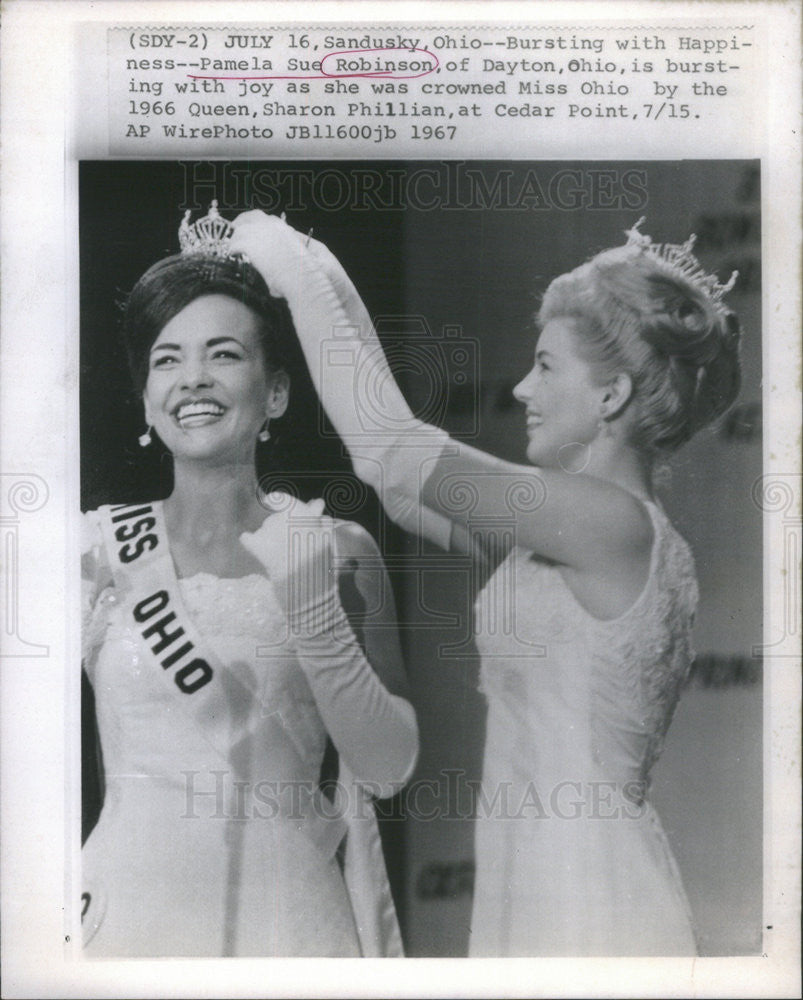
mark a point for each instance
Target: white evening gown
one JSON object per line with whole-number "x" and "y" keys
{"x": 202, "y": 850}
{"x": 571, "y": 856}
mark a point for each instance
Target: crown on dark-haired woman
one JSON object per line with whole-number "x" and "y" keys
{"x": 209, "y": 236}
{"x": 680, "y": 262}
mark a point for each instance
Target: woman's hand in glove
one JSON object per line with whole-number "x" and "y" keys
{"x": 295, "y": 544}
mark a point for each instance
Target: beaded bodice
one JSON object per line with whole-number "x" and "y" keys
{"x": 267, "y": 694}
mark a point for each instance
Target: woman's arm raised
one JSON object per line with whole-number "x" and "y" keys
{"x": 427, "y": 481}
{"x": 573, "y": 519}
{"x": 343, "y": 354}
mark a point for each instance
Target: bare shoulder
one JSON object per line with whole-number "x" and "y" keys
{"x": 617, "y": 566}
{"x": 91, "y": 532}
{"x": 95, "y": 565}
{"x": 625, "y": 528}
{"x": 584, "y": 521}
{"x": 636, "y": 530}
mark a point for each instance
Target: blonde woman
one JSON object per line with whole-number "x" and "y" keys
{"x": 636, "y": 352}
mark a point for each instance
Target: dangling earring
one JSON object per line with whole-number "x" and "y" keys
{"x": 264, "y": 434}
{"x": 145, "y": 439}
{"x": 603, "y": 427}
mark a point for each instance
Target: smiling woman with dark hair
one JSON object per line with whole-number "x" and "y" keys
{"x": 222, "y": 658}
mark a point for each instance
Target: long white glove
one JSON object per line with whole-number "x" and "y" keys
{"x": 390, "y": 448}
{"x": 375, "y": 731}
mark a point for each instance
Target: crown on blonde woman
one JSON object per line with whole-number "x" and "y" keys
{"x": 679, "y": 261}
{"x": 209, "y": 236}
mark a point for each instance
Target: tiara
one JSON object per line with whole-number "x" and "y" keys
{"x": 679, "y": 260}
{"x": 209, "y": 236}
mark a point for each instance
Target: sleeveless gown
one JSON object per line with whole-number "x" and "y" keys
{"x": 571, "y": 856}
{"x": 200, "y": 851}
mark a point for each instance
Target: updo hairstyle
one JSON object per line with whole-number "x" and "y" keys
{"x": 679, "y": 347}
{"x": 173, "y": 283}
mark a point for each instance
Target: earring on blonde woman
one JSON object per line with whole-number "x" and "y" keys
{"x": 264, "y": 434}
{"x": 145, "y": 439}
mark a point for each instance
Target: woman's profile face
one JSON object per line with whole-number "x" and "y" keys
{"x": 208, "y": 390}
{"x": 562, "y": 398}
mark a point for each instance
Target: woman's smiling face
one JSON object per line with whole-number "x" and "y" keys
{"x": 208, "y": 387}
{"x": 562, "y": 397}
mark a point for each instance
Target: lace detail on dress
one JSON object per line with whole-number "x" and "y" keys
{"x": 234, "y": 606}
{"x": 580, "y": 704}
{"x": 663, "y": 625}
{"x": 241, "y": 616}
{"x": 97, "y": 587}
{"x": 241, "y": 620}
{"x": 632, "y": 667}
{"x": 649, "y": 647}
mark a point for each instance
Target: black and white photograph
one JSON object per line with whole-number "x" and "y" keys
{"x": 451, "y": 475}
{"x": 400, "y": 498}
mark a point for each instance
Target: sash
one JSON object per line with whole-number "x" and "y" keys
{"x": 180, "y": 661}
{"x": 366, "y": 877}
{"x": 140, "y": 560}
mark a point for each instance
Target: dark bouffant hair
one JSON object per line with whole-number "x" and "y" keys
{"x": 173, "y": 283}
{"x": 679, "y": 346}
